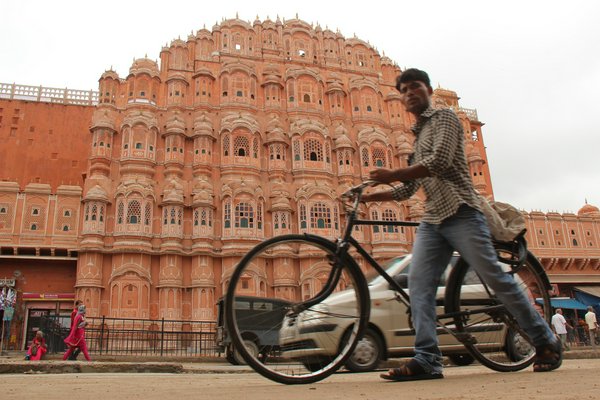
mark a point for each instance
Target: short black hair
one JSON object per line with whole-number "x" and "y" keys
{"x": 413, "y": 74}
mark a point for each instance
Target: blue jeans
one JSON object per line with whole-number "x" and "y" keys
{"x": 466, "y": 232}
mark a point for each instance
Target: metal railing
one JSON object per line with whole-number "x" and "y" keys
{"x": 136, "y": 337}
{"x": 48, "y": 94}
{"x": 471, "y": 113}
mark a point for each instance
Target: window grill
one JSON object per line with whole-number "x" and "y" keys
{"x": 320, "y": 216}
{"x": 244, "y": 215}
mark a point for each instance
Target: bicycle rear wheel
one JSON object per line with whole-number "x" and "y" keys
{"x": 493, "y": 335}
{"x": 265, "y": 305}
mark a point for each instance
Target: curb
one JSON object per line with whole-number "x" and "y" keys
{"x": 212, "y": 366}
{"x": 65, "y": 367}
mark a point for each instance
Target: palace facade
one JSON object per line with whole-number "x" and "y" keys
{"x": 141, "y": 198}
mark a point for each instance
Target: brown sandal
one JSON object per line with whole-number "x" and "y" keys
{"x": 548, "y": 357}
{"x": 411, "y": 371}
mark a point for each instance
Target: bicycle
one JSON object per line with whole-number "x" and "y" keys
{"x": 316, "y": 334}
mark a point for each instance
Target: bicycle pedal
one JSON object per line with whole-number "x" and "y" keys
{"x": 465, "y": 338}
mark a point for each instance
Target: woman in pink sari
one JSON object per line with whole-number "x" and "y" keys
{"x": 38, "y": 347}
{"x": 76, "y": 339}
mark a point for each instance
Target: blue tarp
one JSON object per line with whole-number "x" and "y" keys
{"x": 570, "y": 304}
{"x": 587, "y": 295}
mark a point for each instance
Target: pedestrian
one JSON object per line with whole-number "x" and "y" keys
{"x": 592, "y": 323}
{"x": 452, "y": 221}
{"x": 75, "y": 353}
{"x": 76, "y": 339}
{"x": 37, "y": 348}
{"x": 560, "y": 325}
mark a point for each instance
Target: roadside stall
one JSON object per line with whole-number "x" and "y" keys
{"x": 8, "y": 299}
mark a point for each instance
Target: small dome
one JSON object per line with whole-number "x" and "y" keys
{"x": 96, "y": 193}
{"x": 473, "y": 155}
{"x": 343, "y": 142}
{"x": 142, "y": 65}
{"x": 110, "y": 74}
{"x": 385, "y": 60}
{"x": 403, "y": 146}
{"x": 340, "y": 131}
{"x": 588, "y": 210}
{"x": 175, "y": 124}
{"x": 203, "y": 125}
{"x": 281, "y": 204}
{"x": 177, "y": 43}
{"x": 276, "y": 135}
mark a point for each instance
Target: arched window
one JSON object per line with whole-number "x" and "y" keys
{"x": 244, "y": 216}
{"x": 390, "y": 215}
{"x": 296, "y": 150}
{"x": 320, "y": 216}
{"x": 224, "y": 86}
{"x": 241, "y": 146}
{"x": 133, "y": 212}
{"x": 255, "y": 148}
{"x": 227, "y": 213}
{"x": 302, "y": 216}
{"x": 375, "y": 217}
{"x": 120, "y": 212}
{"x": 378, "y": 157}
{"x": 147, "y": 214}
{"x": 365, "y": 157}
{"x": 313, "y": 150}
{"x": 226, "y": 145}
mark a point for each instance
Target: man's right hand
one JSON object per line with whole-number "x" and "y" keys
{"x": 383, "y": 175}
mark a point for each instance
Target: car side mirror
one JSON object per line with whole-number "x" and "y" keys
{"x": 401, "y": 280}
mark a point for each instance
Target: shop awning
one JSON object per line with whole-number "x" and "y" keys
{"x": 589, "y": 295}
{"x": 565, "y": 302}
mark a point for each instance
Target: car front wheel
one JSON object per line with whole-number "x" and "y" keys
{"x": 369, "y": 350}
{"x": 251, "y": 347}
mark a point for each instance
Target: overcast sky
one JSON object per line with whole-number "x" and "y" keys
{"x": 530, "y": 68}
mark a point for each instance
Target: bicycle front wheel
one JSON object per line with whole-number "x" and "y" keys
{"x": 267, "y": 315}
{"x": 492, "y": 335}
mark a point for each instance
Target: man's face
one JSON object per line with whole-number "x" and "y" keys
{"x": 415, "y": 96}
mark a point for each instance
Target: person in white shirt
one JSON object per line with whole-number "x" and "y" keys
{"x": 592, "y": 323}
{"x": 559, "y": 325}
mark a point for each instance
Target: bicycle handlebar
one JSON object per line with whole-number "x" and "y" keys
{"x": 356, "y": 191}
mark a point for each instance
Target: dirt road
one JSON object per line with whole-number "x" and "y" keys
{"x": 577, "y": 379}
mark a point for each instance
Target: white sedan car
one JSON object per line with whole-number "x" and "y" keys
{"x": 389, "y": 333}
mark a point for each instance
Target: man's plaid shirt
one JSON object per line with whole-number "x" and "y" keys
{"x": 439, "y": 147}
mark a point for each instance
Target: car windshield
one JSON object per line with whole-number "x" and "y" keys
{"x": 392, "y": 268}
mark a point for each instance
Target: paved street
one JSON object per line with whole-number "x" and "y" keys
{"x": 577, "y": 379}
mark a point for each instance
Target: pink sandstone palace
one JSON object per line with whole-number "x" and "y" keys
{"x": 140, "y": 198}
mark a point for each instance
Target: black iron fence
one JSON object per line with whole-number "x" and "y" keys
{"x": 136, "y": 337}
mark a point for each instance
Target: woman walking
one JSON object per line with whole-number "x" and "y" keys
{"x": 76, "y": 339}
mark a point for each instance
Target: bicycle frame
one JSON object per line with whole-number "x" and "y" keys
{"x": 346, "y": 241}
{"x": 343, "y": 247}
